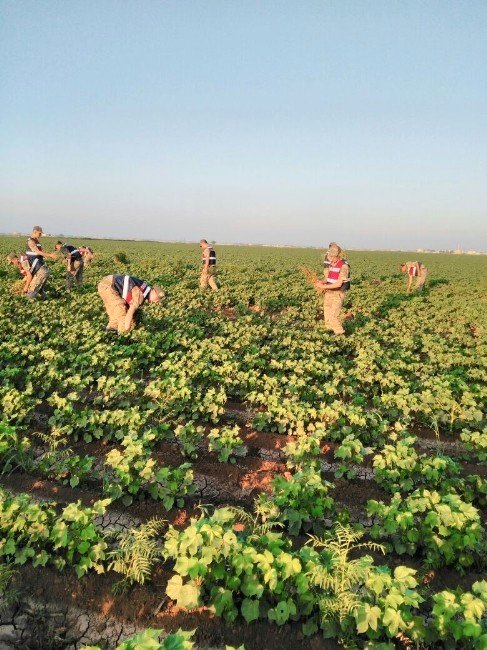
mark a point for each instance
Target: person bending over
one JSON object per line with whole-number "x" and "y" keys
{"x": 122, "y": 295}
{"x": 74, "y": 263}
{"x": 414, "y": 270}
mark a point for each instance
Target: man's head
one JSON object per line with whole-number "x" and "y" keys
{"x": 334, "y": 251}
{"x": 156, "y": 294}
{"x": 203, "y": 243}
{"x": 12, "y": 258}
{"x": 403, "y": 267}
{"x": 58, "y": 245}
{"x": 37, "y": 232}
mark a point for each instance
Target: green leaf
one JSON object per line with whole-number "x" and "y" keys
{"x": 367, "y": 617}
{"x": 392, "y": 620}
{"x": 187, "y": 595}
{"x": 250, "y": 609}
{"x": 9, "y": 548}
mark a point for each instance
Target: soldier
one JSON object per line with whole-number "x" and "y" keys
{"x": 208, "y": 272}
{"x": 34, "y": 248}
{"x": 414, "y": 269}
{"x": 38, "y": 271}
{"x": 334, "y": 285}
{"x": 34, "y": 279}
{"x": 74, "y": 262}
{"x": 122, "y": 295}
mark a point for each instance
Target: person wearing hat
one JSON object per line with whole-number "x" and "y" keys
{"x": 208, "y": 272}
{"x": 334, "y": 285}
{"x": 414, "y": 270}
{"x": 122, "y": 295}
{"x": 32, "y": 265}
{"x": 74, "y": 262}
{"x": 34, "y": 248}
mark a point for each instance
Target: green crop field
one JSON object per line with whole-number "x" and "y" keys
{"x": 232, "y": 467}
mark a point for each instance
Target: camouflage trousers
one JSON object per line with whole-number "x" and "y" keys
{"x": 115, "y": 305}
{"x": 421, "y": 279}
{"x": 75, "y": 274}
{"x": 332, "y": 304}
{"x": 36, "y": 285}
{"x": 207, "y": 277}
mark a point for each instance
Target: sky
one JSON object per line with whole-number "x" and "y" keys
{"x": 362, "y": 122}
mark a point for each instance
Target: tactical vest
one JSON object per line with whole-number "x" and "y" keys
{"x": 23, "y": 258}
{"x": 74, "y": 253}
{"x": 35, "y": 261}
{"x": 333, "y": 269}
{"x": 123, "y": 285}
{"x": 212, "y": 256}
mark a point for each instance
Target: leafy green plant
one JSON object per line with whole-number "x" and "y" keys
{"x": 150, "y": 640}
{"x": 189, "y": 438}
{"x": 458, "y": 617}
{"x": 8, "y": 593}
{"x": 36, "y": 532}
{"x": 300, "y": 501}
{"x": 134, "y": 471}
{"x": 15, "y": 451}
{"x": 227, "y": 443}
{"x": 339, "y": 576}
{"x": 61, "y": 464}
{"x": 444, "y": 528}
{"x": 220, "y": 561}
{"x": 398, "y": 467}
{"x": 390, "y": 607}
{"x": 476, "y": 443}
{"x": 351, "y": 450}
{"x": 471, "y": 488}
{"x": 304, "y": 450}
{"x": 136, "y": 552}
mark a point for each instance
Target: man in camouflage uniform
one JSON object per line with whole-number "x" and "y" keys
{"x": 122, "y": 295}
{"x": 414, "y": 270}
{"x": 335, "y": 283}
{"x": 208, "y": 272}
{"x": 74, "y": 263}
{"x": 33, "y": 281}
{"x": 38, "y": 271}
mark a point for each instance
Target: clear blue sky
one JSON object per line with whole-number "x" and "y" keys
{"x": 301, "y": 122}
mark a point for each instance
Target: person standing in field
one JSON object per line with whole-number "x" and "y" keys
{"x": 208, "y": 272}
{"x": 414, "y": 270}
{"x": 38, "y": 269}
{"x": 74, "y": 263}
{"x": 122, "y": 295}
{"x": 334, "y": 285}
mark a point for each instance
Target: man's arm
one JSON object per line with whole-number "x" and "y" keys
{"x": 206, "y": 258}
{"x": 324, "y": 285}
{"x": 343, "y": 277}
{"x": 27, "y": 278}
{"x": 32, "y": 247}
{"x": 69, "y": 263}
{"x": 127, "y": 323}
{"x": 137, "y": 300}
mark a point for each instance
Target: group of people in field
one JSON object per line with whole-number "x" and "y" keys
{"x": 123, "y": 295}
{"x": 34, "y": 270}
